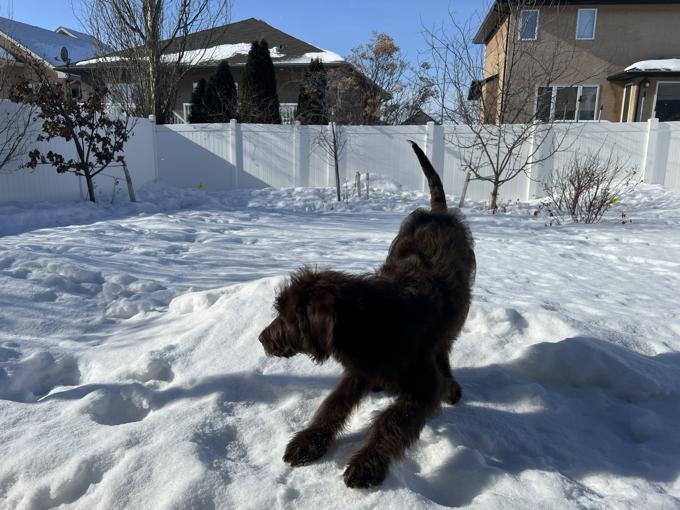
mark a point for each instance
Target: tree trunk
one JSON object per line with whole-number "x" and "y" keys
{"x": 494, "y": 197}
{"x": 128, "y": 180}
{"x": 337, "y": 175}
{"x": 90, "y": 187}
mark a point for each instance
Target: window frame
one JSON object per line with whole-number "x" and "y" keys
{"x": 656, "y": 95}
{"x": 538, "y": 22}
{"x": 577, "y": 110}
{"x": 578, "y": 20}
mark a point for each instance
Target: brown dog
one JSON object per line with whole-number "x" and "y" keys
{"x": 391, "y": 330}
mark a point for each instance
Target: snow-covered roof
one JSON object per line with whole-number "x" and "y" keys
{"x": 47, "y": 44}
{"x": 227, "y": 51}
{"x": 232, "y": 42}
{"x": 662, "y": 65}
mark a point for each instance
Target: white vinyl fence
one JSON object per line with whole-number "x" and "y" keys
{"x": 229, "y": 156}
{"x": 218, "y": 157}
{"x": 19, "y": 184}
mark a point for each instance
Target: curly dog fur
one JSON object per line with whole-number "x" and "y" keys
{"x": 391, "y": 330}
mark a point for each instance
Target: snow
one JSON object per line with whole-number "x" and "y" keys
{"x": 47, "y": 44}
{"x": 671, "y": 65}
{"x": 226, "y": 51}
{"x": 131, "y": 375}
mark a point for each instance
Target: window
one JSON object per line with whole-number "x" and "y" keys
{"x": 528, "y": 25}
{"x": 667, "y": 107}
{"x": 566, "y": 99}
{"x": 566, "y": 103}
{"x": 585, "y": 24}
{"x": 76, "y": 92}
{"x": 544, "y": 103}
{"x": 587, "y": 103}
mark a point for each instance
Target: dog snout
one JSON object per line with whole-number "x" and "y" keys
{"x": 273, "y": 340}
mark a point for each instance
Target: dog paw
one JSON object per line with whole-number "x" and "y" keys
{"x": 365, "y": 471}
{"x": 454, "y": 394}
{"x": 306, "y": 446}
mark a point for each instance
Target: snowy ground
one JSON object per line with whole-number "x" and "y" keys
{"x": 131, "y": 376}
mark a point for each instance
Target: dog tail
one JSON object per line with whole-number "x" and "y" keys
{"x": 437, "y": 196}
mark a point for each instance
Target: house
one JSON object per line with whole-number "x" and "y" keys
{"x": 21, "y": 43}
{"x": 579, "y": 60}
{"x": 206, "y": 49}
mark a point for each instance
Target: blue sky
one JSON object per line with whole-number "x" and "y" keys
{"x": 333, "y": 25}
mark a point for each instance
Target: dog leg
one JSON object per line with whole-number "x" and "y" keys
{"x": 392, "y": 433}
{"x": 452, "y": 391}
{"x": 313, "y": 442}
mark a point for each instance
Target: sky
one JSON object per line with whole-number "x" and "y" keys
{"x": 337, "y": 26}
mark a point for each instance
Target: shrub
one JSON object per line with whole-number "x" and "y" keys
{"x": 587, "y": 187}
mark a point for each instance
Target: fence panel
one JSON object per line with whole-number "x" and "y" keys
{"x": 220, "y": 157}
{"x": 268, "y": 156}
{"x": 196, "y": 155}
{"x": 19, "y": 184}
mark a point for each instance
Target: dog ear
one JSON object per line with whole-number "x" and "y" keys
{"x": 317, "y": 324}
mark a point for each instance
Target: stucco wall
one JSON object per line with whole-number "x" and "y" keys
{"x": 624, "y": 35}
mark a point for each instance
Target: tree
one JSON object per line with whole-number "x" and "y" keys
{"x": 150, "y": 44}
{"x": 259, "y": 101}
{"x": 199, "y": 112}
{"x": 492, "y": 96}
{"x": 379, "y": 86}
{"x": 15, "y": 119}
{"x": 15, "y": 132}
{"x": 311, "y": 108}
{"x": 98, "y": 139}
{"x": 221, "y": 98}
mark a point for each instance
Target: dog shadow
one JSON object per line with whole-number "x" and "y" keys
{"x": 579, "y": 407}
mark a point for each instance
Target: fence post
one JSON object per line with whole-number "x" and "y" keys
{"x": 650, "y": 155}
{"x": 154, "y": 144}
{"x": 434, "y": 149}
{"x": 298, "y": 164}
{"x": 540, "y": 142}
{"x": 236, "y": 149}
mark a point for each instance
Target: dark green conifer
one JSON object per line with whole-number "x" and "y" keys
{"x": 259, "y": 101}
{"x": 311, "y": 107}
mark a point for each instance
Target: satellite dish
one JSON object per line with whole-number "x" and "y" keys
{"x": 64, "y": 55}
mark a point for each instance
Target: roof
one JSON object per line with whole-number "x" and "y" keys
{"x": 655, "y": 67}
{"x": 232, "y": 42}
{"x": 82, "y": 36}
{"x": 46, "y": 44}
{"x": 500, "y": 9}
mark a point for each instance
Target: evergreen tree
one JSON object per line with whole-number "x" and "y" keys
{"x": 311, "y": 107}
{"x": 199, "y": 113}
{"x": 259, "y": 99}
{"x": 221, "y": 99}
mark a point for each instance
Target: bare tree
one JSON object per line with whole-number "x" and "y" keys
{"x": 15, "y": 119}
{"x": 15, "y": 132}
{"x": 333, "y": 140}
{"x": 379, "y": 86}
{"x": 506, "y": 97}
{"x": 146, "y": 47}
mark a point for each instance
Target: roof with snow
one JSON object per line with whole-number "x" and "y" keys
{"x": 232, "y": 42}
{"x": 655, "y": 67}
{"x": 47, "y": 44}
